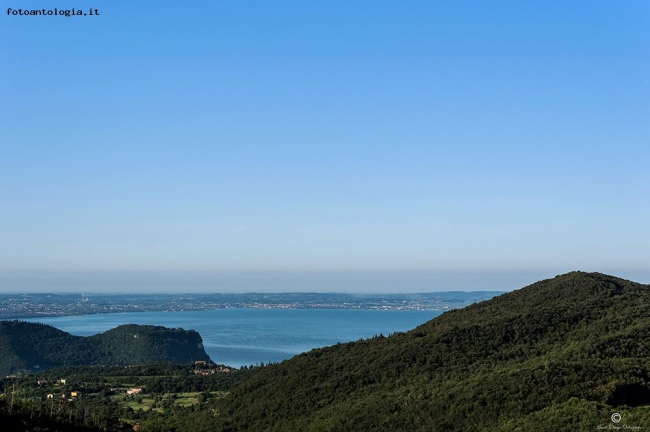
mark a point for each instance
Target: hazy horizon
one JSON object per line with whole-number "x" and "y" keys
{"x": 362, "y": 282}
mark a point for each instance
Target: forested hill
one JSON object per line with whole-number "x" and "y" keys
{"x": 561, "y": 354}
{"x": 26, "y": 346}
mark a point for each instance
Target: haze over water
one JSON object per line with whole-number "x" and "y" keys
{"x": 374, "y": 282}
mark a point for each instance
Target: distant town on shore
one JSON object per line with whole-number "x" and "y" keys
{"x": 51, "y": 305}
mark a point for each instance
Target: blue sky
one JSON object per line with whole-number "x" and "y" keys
{"x": 326, "y": 136}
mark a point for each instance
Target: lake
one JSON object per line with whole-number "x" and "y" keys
{"x": 249, "y": 336}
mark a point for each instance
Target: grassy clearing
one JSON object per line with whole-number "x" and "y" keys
{"x": 144, "y": 403}
{"x": 184, "y": 399}
{"x": 187, "y": 400}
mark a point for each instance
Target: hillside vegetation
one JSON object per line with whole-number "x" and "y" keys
{"x": 26, "y": 346}
{"x": 97, "y": 397}
{"x": 561, "y": 354}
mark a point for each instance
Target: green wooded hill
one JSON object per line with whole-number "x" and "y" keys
{"x": 561, "y": 354}
{"x": 26, "y": 346}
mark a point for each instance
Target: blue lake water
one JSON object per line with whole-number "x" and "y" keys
{"x": 238, "y": 337}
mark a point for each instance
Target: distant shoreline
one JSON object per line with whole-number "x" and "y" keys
{"x": 21, "y": 306}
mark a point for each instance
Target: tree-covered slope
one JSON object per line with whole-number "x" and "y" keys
{"x": 32, "y": 346}
{"x": 137, "y": 344}
{"x": 561, "y": 354}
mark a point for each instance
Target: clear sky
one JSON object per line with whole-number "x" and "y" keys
{"x": 325, "y": 136}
